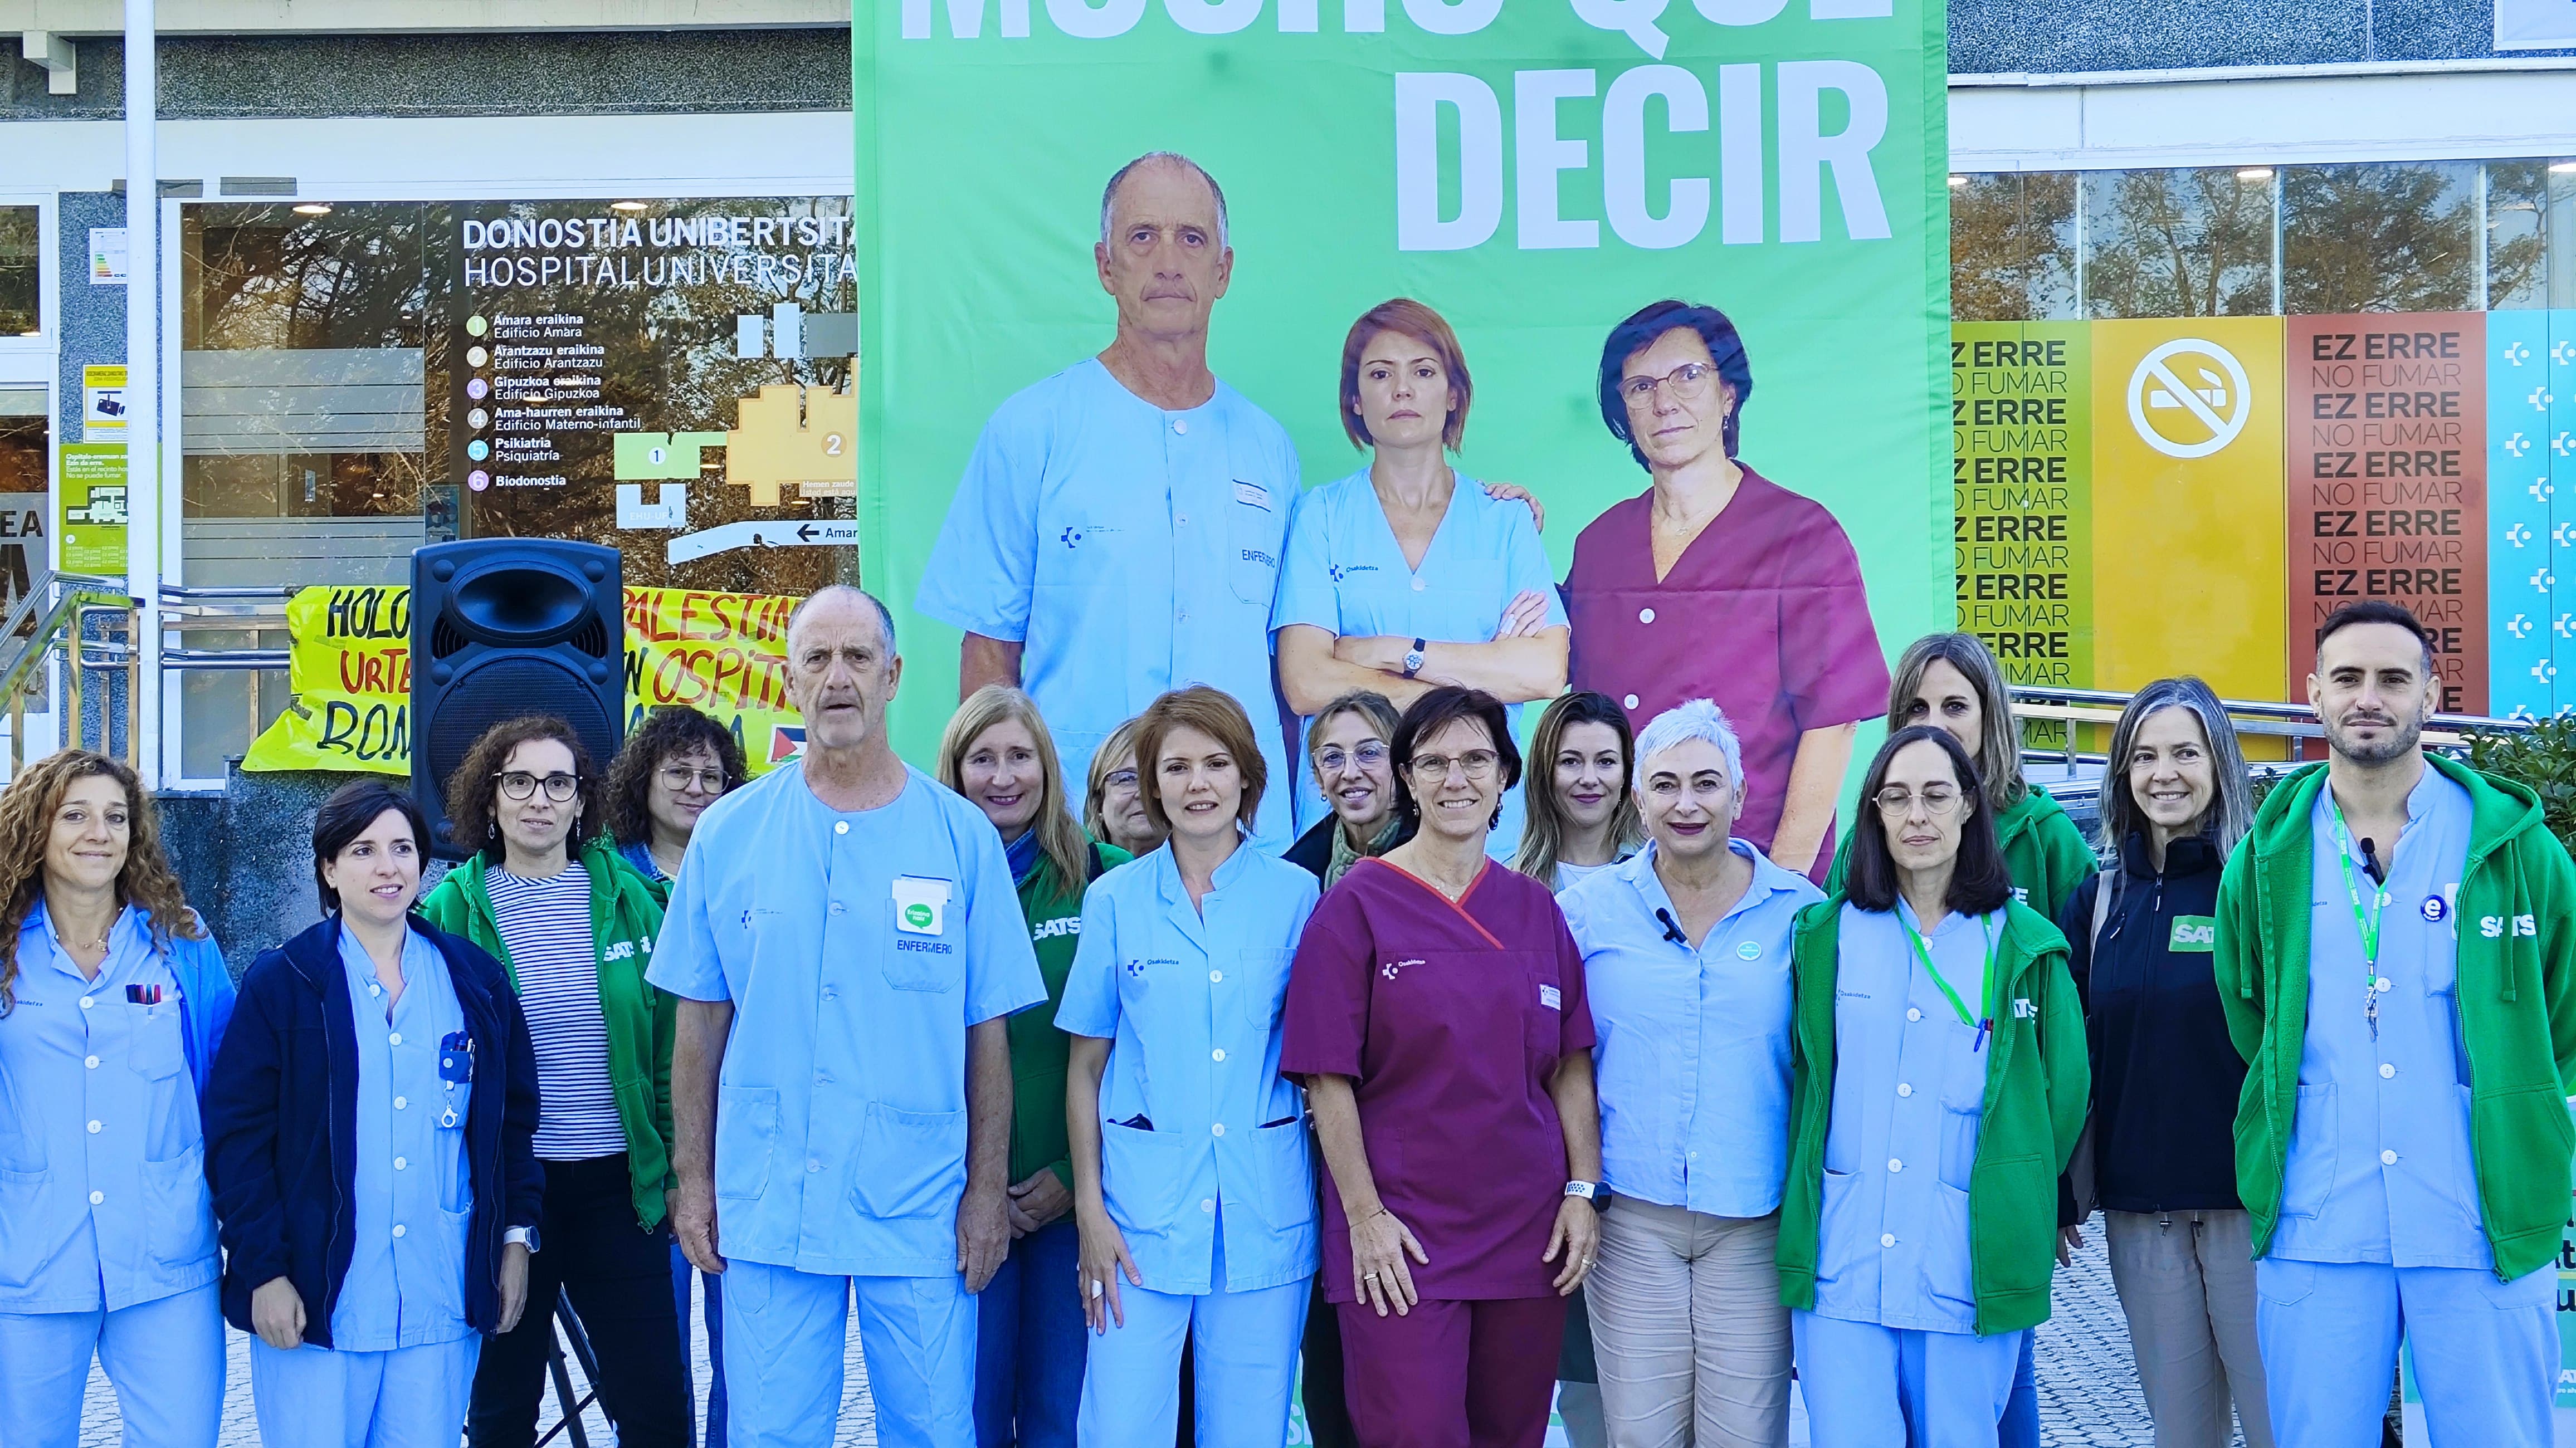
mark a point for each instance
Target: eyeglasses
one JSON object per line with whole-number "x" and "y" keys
{"x": 1332, "y": 760}
{"x": 519, "y": 784}
{"x": 1939, "y": 801}
{"x": 1120, "y": 779}
{"x": 1690, "y": 382}
{"x": 1433, "y": 768}
{"x": 678, "y": 777}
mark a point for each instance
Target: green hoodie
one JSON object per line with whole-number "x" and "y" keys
{"x": 2037, "y": 1080}
{"x": 625, "y": 918}
{"x": 1040, "y": 1052}
{"x": 2043, "y": 853}
{"x": 2516, "y": 1000}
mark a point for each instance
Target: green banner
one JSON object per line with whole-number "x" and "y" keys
{"x": 1536, "y": 170}
{"x": 92, "y": 499}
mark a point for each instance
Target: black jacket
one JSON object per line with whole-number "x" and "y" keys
{"x": 281, "y": 1123}
{"x": 1313, "y": 851}
{"x": 2165, "y": 1074}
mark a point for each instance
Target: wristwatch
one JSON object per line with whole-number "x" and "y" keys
{"x": 1594, "y": 1192}
{"x": 525, "y": 1236}
{"x": 1413, "y": 657}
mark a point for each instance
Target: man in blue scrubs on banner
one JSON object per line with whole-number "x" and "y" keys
{"x": 846, "y": 939}
{"x": 1118, "y": 530}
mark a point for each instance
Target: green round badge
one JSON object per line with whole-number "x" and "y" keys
{"x": 917, "y": 915}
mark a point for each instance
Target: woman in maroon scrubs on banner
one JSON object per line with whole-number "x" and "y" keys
{"x": 1717, "y": 583}
{"x": 1436, "y": 1011}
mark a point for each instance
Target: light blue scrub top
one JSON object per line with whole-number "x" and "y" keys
{"x": 1191, "y": 1000}
{"x": 1346, "y": 575}
{"x": 2379, "y": 1167}
{"x": 1129, "y": 550}
{"x": 856, "y": 949}
{"x": 413, "y": 1189}
{"x": 1909, "y": 1096}
{"x": 1692, "y": 1049}
{"x": 103, "y": 1198}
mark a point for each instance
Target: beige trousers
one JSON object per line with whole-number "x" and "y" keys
{"x": 2186, "y": 1281}
{"x": 1688, "y": 1329}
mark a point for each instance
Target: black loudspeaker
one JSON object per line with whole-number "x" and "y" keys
{"x": 502, "y": 627}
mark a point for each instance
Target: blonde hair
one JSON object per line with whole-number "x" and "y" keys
{"x": 1121, "y": 744}
{"x": 27, "y": 810}
{"x": 1059, "y": 838}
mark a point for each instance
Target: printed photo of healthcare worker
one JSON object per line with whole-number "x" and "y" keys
{"x": 113, "y": 1002}
{"x": 1118, "y": 529}
{"x": 1718, "y": 583}
{"x": 1406, "y": 574}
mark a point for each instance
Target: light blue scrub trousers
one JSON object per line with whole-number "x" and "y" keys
{"x": 410, "y": 1397}
{"x": 165, "y": 1358}
{"x": 786, "y": 1335}
{"x": 2486, "y": 1352}
{"x": 1868, "y": 1386}
{"x": 1243, "y": 1344}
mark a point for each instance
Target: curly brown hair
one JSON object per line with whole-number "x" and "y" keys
{"x": 666, "y": 734}
{"x": 472, "y": 791}
{"x": 27, "y": 810}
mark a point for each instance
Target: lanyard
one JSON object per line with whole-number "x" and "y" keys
{"x": 2367, "y": 923}
{"x": 1923, "y": 952}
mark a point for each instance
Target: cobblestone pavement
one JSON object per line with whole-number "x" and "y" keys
{"x": 2088, "y": 1387}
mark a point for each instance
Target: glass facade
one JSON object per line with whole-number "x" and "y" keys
{"x": 21, "y": 283}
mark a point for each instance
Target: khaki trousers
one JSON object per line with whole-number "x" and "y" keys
{"x": 1688, "y": 1328}
{"x": 2186, "y": 1281}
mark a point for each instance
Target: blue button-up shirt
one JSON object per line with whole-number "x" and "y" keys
{"x": 406, "y": 1281}
{"x": 2379, "y": 1167}
{"x": 103, "y": 1199}
{"x": 1693, "y": 1050}
{"x": 1197, "y": 1124}
{"x": 1909, "y": 1097}
{"x": 856, "y": 949}
{"x": 1129, "y": 550}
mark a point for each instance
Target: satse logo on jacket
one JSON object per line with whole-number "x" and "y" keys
{"x": 2492, "y": 926}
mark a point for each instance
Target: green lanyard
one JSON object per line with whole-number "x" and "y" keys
{"x": 1983, "y": 1022}
{"x": 2367, "y": 923}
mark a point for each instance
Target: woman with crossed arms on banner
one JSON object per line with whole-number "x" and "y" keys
{"x": 1937, "y": 1083}
{"x": 113, "y": 1000}
{"x": 1408, "y": 573}
{"x": 1193, "y": 1192}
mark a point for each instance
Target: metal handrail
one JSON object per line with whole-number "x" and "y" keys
{"x": 2260, "y": 709}
{"x": 67, "y": 600}
{"x": 172, "y": 593}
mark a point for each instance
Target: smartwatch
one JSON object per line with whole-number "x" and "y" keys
{"x": 1594, "y": 1192}
{"x": 1413, "y": 658}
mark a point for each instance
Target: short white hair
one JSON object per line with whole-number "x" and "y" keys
{"x": 1109, "y": 193}
{"x": 1691, "y": 719}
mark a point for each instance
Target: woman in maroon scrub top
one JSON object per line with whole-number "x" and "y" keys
{"x": 1718, "y": 583}
{"x": 1436, "y": 1012}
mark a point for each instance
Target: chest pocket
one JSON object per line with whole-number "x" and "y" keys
{"x": 1264, "y": 974}
{"x": 924, "y": 962}
{"x": 155, "y": 1048}
{"x": 1255, "y": 534}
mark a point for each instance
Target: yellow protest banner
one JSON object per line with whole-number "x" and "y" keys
{"x": 724, "y": 654}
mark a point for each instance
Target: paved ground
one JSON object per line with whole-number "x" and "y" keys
{"x": 2088, "y": 1387}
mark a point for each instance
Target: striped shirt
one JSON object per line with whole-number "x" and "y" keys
{"x": 545, "y": 927}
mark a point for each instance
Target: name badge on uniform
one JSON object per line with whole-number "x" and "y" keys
{"x": 1253, "y": 493}
{"x": 2194, "y": 933}
{"x": 920, "y": 905}
{"x": 1552, "y": 998}
{"x": 456, "y": 1058}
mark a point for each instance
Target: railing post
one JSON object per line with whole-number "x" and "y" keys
{"x": 72, "y": 686}
{"x": 134, "y": 688}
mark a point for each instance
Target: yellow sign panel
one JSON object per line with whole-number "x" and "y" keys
{"x": 2188, "y": 562}
{"x": 724, "y": 654}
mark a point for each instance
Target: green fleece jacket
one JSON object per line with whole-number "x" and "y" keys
{"x": 625, "y": 918}
{"x": 2043, "y": 852}
{"x": 2516, "y": 1000}
{"x": 2037, "y": 1081}
{"x": 1039, "y": 1052}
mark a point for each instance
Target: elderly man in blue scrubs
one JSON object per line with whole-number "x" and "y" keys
{"x": 2395, "y": 956}
{"x": 1118, "y": 529}
{"x": 846, "y": 940}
